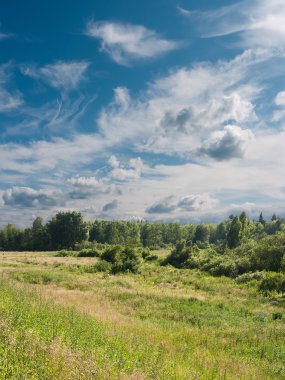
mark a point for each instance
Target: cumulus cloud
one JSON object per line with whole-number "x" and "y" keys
{"x": 257, "y": 22}
{"x": 125, "y": 43}
{"x": 164, "y": 206}
{"x": 227, "y": 144}
{"x": 280, "y": 99}
{"x": 61, "y": 75}
{"x": 126, "y": 172}
{"x": 198, "y": 202}
{"x": 110, "y": 206}
{"x": 190, "y": 203}
{"x": 176, "y": 112}
{"x": 86, "y": 187}
{"x": 26, "y": 197}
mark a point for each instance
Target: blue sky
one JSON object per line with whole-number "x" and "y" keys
{"x": 167, "y": 110}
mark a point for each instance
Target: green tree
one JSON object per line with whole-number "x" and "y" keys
{"x": 202, "y": 233}
{"x": 221, "y": 232}
{"x": 39, "y": 235}
{"x": 66, "y": 229}
{"x": 247, "y": 227}
{"x": 97, "y": 232}
{"x": 235, "y": 233}
{"x": 261, "y": 219}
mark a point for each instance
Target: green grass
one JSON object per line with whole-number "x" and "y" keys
{"x": 164, "y": 323}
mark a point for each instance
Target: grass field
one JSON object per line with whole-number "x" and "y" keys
{"x": 58, "y": 320}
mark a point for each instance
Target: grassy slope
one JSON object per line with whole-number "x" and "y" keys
{"x": 62, "y": 323}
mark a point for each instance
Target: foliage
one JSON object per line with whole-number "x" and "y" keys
{"x": 162, "y": 323}
{"x": 179, "y": 255}
{"x": 66, "y": 229}
{"x": 91, "y": 252}
{"x": 122, "y": 259}
{"x": 272, "y": 282}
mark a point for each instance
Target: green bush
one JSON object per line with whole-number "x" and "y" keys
{"x": 128, "y": 260}
{"x": 64, "y": 253}
{"x": 122, "y": 259}
{"x": 273, "y": 282}
{"x": 179, "y": 255}
{"x": 151, "y": 257}
{"x": 250, "y": 276}
{"x": 88, "y": 252}
{"x": 103, "y": 266}
{"x": 112, "y": 253}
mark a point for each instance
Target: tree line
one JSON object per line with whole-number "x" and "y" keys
{"x": 67, "y": 229}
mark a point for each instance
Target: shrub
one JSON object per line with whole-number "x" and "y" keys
{"x": 103, "y": 266}
{"x": 144, "y": 252}
{"x": 151, "y": 257}
{"x": 273, "y": 282}
{"x": 179, "y": 255}
{"x": 221, "y": 266}
{"x": 112, "y": 253}
{"x": 251, "y": 276}
{"x": 269, "y": 252}
{"x": 91, "y": 252}
{"x": 64, "y": 253}
{"x": 122, "y": 259}
{"x": 128, "y": 260}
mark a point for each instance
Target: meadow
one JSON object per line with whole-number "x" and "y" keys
{"x": 60, "y": 319}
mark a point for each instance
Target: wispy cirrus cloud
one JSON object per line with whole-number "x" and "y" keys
{"x": 125, "y": 43}
{"x": 56, "y": 114}
{"x": 258, "y": 23}
{"x": 186, "y": 106}
{"x": 5, "y": 36}
{"x": 9, "y": 99}
{"x": 62, "y": 75}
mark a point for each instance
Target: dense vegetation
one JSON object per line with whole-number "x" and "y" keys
{"x": 239, "y": 248}
{"x": 62, "y": 320}
{"x": 139, "y": 300}
{"x": 67, "y": 229}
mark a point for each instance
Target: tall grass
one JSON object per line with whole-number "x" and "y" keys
{"x": 163, "y": 323}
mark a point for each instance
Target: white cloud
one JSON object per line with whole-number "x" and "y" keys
{"x": 279, "y": 114}
{"x": 62, "y": 75}
{"x": 176, "y": 112}
{"x": 257, "y": 22}
{"x": 126, "y": 172}
{"x": 91, "y": 182}
{"x": 126, "y": 43}
{"x": 9, "y": 100}
{"x": 227, "y": 144}
{"x": 26, "y": 197}
{"x": 199, "y": 202}
{"x": 280, "y": 99}
{"x": 164, "y": 206}
{"x": 87, "y": 187}
{"x": 189, "y": 203}
{"x": 108, "y": 207}
{"x": 113, "y": 161}
{"x": 5, "y": 36}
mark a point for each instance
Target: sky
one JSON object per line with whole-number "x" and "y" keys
{"x": 166, "y": 110}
